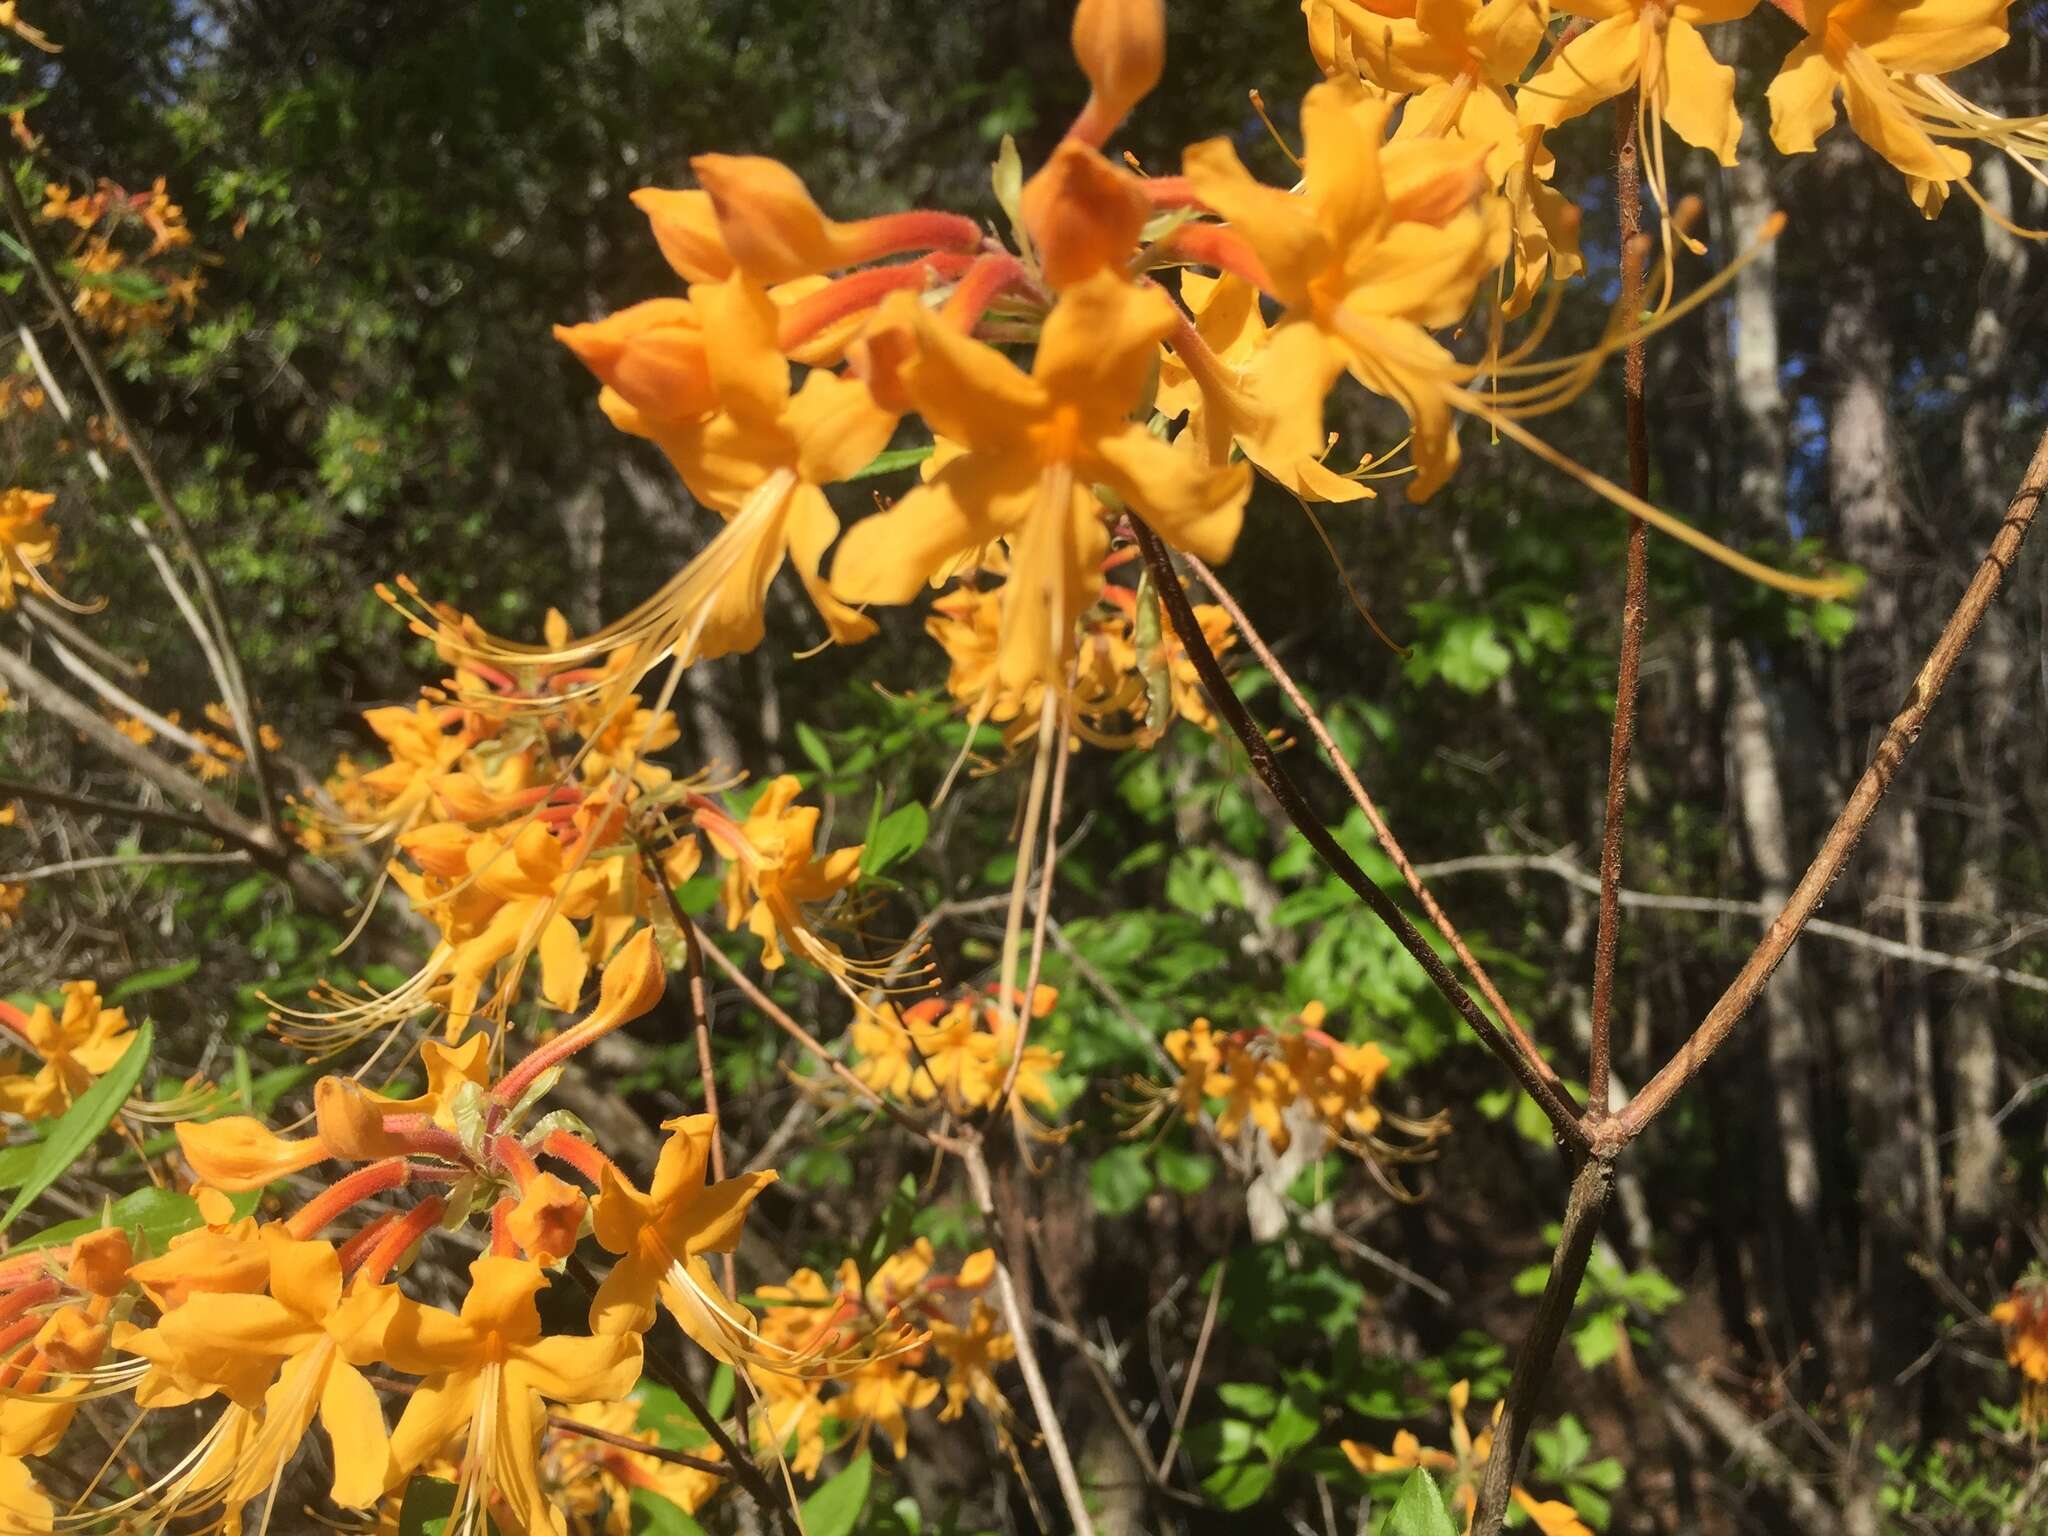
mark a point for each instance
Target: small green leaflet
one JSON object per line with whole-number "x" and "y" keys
{"x": 896, "y": 836}
{"x": 1419, "y": 1511}
{"x": 154, "y": 980}
{"x": 151, "y": 1216}
{"x": 80, "y": 1125}
{"x": 890, "y": 460}
{"x": 835, "y": 1508}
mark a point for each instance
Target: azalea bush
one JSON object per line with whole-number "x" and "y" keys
{"x": 393, "y": 1251}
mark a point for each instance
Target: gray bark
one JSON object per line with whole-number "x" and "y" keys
{"x": 1993, "y": 677}
{"x": 1881, "y": 1020}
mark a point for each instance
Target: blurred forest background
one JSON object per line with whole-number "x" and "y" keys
{"x": 390, "y": 204}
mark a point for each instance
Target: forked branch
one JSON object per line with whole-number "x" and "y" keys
{"x": 1563, "y": 1116}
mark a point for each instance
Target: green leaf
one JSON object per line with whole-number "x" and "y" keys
{"x": 1419, "y": 1511}
{"x": 1294, "y": 1425}
{"x": 814, "y": 748}
{"x": 80, "y": 1125}
{"x": 1183, "y": 1172}
{"x": 1249, "y": 1398}
{"x": 1596, "y": 1340}
{"x": 157, "y": 979}
{"x": 149, "y": 1215}
{"x": 896, "y": 836}
{"x": 17, "y": 1162}
{"x": 1239, "y": 1484}
{"x": 243, "y": 894}
{"x": 836, "y": 1506}
{"x": 891, "y": 460}
{"x": 428, "y": 1504}
{"x": 1118, "y": 1180}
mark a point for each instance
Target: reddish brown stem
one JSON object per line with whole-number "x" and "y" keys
{"x": 849, "y": 295}
{"x": 1621, "y": 746}
{"x": 983, "y": 283}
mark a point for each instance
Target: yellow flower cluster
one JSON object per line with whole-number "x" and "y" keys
{"x": 958, "y": 1054}
{"x": 274, "y": 1324}
{"x": 124, "y": 292}
{"x": 1132, "y": 675}
{"x": 1284, "y": 1082}
{"x": 541, "y": 830}
{"x": 74, "y": 1046}
{"x": 872, "y": 1338}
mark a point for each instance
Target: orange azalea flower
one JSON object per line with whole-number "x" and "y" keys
{"x": 1035, "y": 446}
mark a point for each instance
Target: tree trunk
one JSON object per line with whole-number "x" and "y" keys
{"x": 1757, "y": 431}
{"x": 1993, "y": 675}
{"x": 1881, "y": 1018}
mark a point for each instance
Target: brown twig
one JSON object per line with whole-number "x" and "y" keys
{"x": 1658, "y": 901}
{"x": 1862, "y": 804}
{"x": 1563, "y": 1117}
{"x": 1194, "y": 1377}
{"x": 308, "y": 883}
{"x": 803, "y": 1037}
{"x": 1105, "y": 1385}
{"x": 88, "y": 805}
{"x": 1438, "y": 918}
{"x": 126, "y": 861}
{"x": 1019, "y": 1324}
{"x": 240, "y": 701}
{"x": 1629, "y": 196}
{"x": 1582, "y": 1211}
{"x": 563, "y": 1424}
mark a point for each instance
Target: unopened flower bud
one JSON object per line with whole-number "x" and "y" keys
{"x": 351, "y": 1120}
{"x": 652, "y": 354}
{"x": 772, "y": 228}
{"x": 1121, "y": 46}
{"x": 686, "y": 228}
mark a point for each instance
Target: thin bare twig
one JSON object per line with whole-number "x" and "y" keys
{"x": 1563, "y": 1117}
{"x": 563, "y": 1424}
{"x": 89, "y": 805}
{"x": 1657, "y": 901}
{"x": 124, "y": 861}
{"x": 59, "y": 623}
{"x": 1027, "y": 1350}
{"x": 700, "y": 1024}
{"x": 114, "y": 694}
{"x": 235, "y": 682}
{"x": 1862, "y": 804}
{"x": 1187, "y": 1387}
{"x": 1431, "y": 908}
{"x": 308, "y": 883}
{"x": 777, "y": 1016}
{"x": 1105, "y": 1385}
